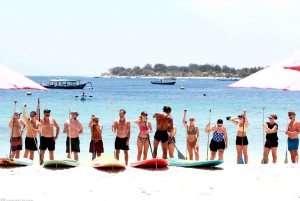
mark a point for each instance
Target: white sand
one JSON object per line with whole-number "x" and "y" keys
{"x": 235, "y": 182}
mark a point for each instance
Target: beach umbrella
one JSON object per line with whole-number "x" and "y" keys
{"x": 275, "y": 76}
{"x": 12, "y": 80}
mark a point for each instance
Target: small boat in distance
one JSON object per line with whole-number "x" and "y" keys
{"x": 229, "y": 79}
{"x": 164, "y": 81}
{"x": 65, "y": 84}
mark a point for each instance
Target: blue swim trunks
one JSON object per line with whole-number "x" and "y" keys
{"x": 293, "y": 144}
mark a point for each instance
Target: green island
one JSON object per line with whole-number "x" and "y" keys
{"x": 192, "y": 70}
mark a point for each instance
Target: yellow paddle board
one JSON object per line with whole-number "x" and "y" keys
{"x": 107, "y": 162}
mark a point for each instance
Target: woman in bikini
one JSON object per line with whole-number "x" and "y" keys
{"x": 219, "y": 140}
{"x": 143, "y": 137}
{"x": 241, "y": 138}
{"x": 193, "y": 137}
{"x": 171, "y": 141}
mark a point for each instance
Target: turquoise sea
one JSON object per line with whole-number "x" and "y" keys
{"x": 138, "y": 94}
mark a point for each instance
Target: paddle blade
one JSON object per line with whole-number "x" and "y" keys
{"x": 263, "y": 161}
{"x": 94, "y": 155}
{"x": 241, "y": 161}
{"x": 180, "y": 155}
{"x": 286, "y": 160}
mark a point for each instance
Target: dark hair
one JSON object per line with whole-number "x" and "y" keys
{"x": 33, "y": 112}
{"x": 220, "y": 121}
{"x": 144, "y": 113}
{"x": 123, "y": 111}
{"x": 167, "y": 109}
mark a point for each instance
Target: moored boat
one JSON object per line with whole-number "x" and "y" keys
{"x": 164, "y": 82}
{"x": 65, "y": 84}
{"x": 229, "y": 79}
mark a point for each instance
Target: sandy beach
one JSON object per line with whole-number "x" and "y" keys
{"x": 235, "y": 182}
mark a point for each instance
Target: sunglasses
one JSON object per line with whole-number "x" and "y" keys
{"x": 145, "y": 115}
{"x": 192, "y": 119}
{"x": 32, "y": 116}
{"x": 220, "y": 125}
{"x": 46, "y": 112}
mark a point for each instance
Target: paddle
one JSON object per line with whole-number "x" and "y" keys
{"x": 70, "y": 148}
{"x": 241, "y": 161}
{"x": 34, "y": 139}
{"x": 12, "y": 129}
{"x": 112, "y": 111}
{"x": 78, "y": 96}
{"x": 39, "y": 111}
{"x": 263, "y": 161}
{"x": 287, "y": 127}
{"x": 150, "y": 146}
{"x": 208, "y": 136}
{"x": 94, "y": 149}
{"x": 180, "y": 155}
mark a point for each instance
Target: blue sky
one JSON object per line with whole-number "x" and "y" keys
{"x": 52, "y": 37}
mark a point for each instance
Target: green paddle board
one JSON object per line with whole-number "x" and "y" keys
{"x": 187, "y": 163}
{"x": 62, "y": 163}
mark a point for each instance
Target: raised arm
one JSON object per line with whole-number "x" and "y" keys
{"x": 24, "y": 114}
{"x": 209, "y": 129}
{"x": 246, "y": 118}
{"x": 138, "y": 120}
{"x": 38, "y": 111}
{"x": 233, "y": 120}
{"x": 183, "y": 119}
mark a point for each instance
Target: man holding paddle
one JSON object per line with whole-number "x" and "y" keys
{"x": 47, "y": 131}
{"x": 122, "y": 127}
{"x": 73, "y": 128}
{"x": 33, "y": 126}
{"x": 292, "y": 131}
{"x": 96, "y": 144}
{"x": 162, "y": 121}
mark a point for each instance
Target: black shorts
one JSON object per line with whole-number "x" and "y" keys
{"x": 96, "y": 146}
{"x": 75, "y": 145}
{"x": 171, "y": 140}
{"x": 47, "y": 142}
{"x": 215, "y": 146}
{"x": 120, "y": 143}
{"x": 271, "y": 143}
{"x": 30, "y": 144}
{"x": 241, "y": 140}
{"x": 161, "y": 136}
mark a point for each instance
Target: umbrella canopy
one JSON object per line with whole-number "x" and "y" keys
{"x": 10, "y": 79}
{"x": 274, "y": 77}
{"x": 294, "y": 66}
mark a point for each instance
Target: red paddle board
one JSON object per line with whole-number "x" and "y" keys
{"x": 155, "y": 162}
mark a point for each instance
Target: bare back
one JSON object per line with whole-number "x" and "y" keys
{"x": 163, "y": 120}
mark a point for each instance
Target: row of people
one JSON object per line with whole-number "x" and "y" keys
{"x": 165, "y": 134}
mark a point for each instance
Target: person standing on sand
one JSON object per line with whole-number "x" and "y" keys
{"x": 73, "y": 128}
{"x": 171, "y": 141}
{"x": 47, "y": 140}
{"x": 271, "y": 129}
{"x": 293, "y": 141}
{"x": 162, "y": 121}
{"x": 33, "y": 126}
{"x": 143, "y": 137}
{"x": 16, "y": 141}
{"x": 241, "y": 138}
{"x": 122, "y": 127}
{"x": 96, "y": 144}
{"x": 219, "y": 141}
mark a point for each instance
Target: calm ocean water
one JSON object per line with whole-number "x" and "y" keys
{"x": 136, "y": 95}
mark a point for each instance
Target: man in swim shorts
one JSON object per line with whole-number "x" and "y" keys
{"x": 33, "y": 128}
{"x": 47, "y": 140}
{"x": 96, "y": 144}
{"x": 161, "y": 135}
{"x": 16, "y": 124}
{"x": 122, "y": 127}
{"x": 73, "y": 128}
{"x": 293, "y": 140}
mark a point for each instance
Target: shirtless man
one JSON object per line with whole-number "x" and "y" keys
{"x": 162, "y": 121}
{"x": 293, "y": 140}
{"x": 96, "y": 144}
{"x": 73, "y": 128}
{"x": 33, "y": 126}
{"x": 15, "y": 124}
{"x": 122, "y": 126}
{"x": 47, "y": 140}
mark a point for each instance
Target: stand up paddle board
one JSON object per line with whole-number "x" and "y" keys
{"x": 16, "y": 162}
{"x": 187, "y": 163}
{"x": 107, "y": 162}
{"x": 155, "y": 162}
{"x": 62, "y": 163}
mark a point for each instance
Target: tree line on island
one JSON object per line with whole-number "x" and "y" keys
{"x": 192, "y": 70}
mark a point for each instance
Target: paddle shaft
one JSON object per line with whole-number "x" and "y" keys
{"x": 287, "y": 128}
{"x": 112, "y": 113}
{"x": 150, "y": 146}
{"x": 40, "y": 136}
{"x": 94, "y": 151}
{"x": 70, "y": 135}
{"x": 263, "y": 160}
{"x": 34, "y": 139}
{"x": 208, "y": 136}
{"x": 12, "y": 129}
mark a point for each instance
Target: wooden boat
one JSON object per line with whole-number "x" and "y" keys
{"x": 229, "y": 79}
{"x": 164, "y": 82}
{"x": 65, "y": 84}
